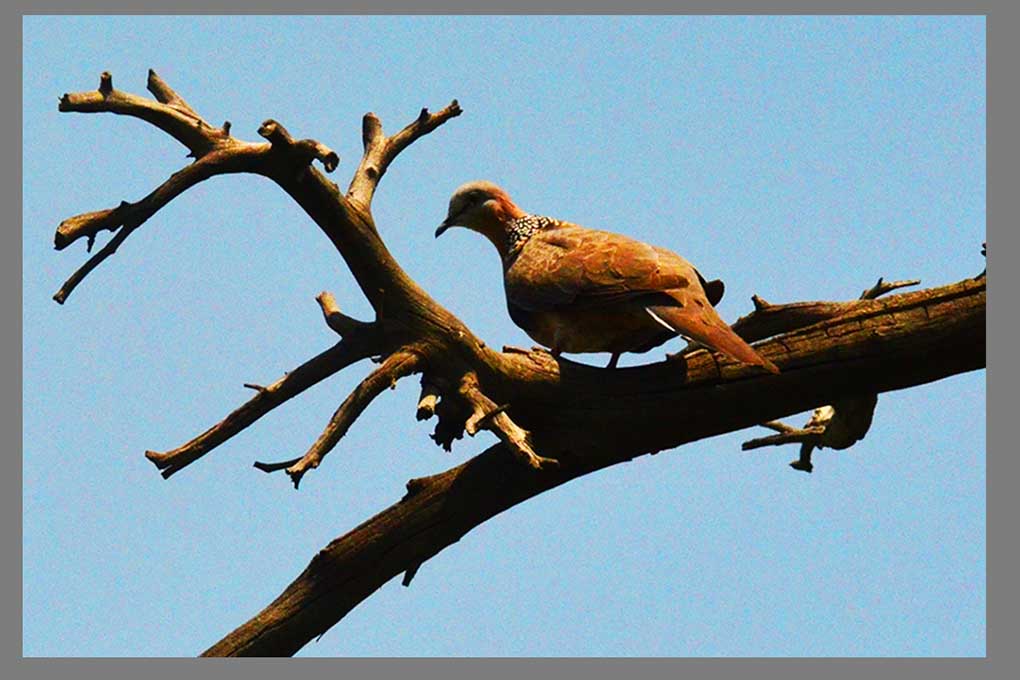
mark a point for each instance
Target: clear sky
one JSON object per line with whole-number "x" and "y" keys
{"x": 795, "y": 158}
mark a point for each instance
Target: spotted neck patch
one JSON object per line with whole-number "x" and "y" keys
{"x": 519, "y": 230}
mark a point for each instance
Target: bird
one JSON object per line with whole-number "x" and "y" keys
{"x": 579, "y": 290}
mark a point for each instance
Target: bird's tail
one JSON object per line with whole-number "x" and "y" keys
{"x": 704, "y": 325}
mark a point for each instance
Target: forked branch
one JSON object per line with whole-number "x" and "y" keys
{"x": 400, "y": 364}
{"x": 127, "y": 217}
{"x": 486, "y": 415}
{"x": 169, "y": 112}
{"x": 838, "y": 426}
{"x": 215, "y": 152}
{"x": 287, "y": 161}
{"x": 380, "y": 150}
{"x": 315, "y": 370}
{"x": 360, "y": 340}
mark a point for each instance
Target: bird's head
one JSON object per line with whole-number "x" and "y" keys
{"x": 483, "y": 207}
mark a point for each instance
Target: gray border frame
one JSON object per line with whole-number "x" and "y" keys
{"x": 1002, "y": 466}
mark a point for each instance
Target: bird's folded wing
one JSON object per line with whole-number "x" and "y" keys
{"x": 574, "y": 267}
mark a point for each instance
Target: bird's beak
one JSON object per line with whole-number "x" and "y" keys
{"x": 443, "y": 227}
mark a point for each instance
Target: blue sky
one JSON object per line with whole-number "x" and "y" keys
{"x": 795, "y": 158}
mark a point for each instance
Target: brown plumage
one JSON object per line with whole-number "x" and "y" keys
{"x": 574, "y": 289}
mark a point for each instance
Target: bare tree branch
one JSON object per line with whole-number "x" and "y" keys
{"x": 381, "y": 150}
{"x": 427, "y": 401}
{"x": 215, "y": 151}
{"x": 301, "y": 151}
{"x": 486, "y": 415}
{"x": 882, "y": 287}
{"x": 310, "y": 373}
{"x": 768, "y": 319}
{"x": 169, "y": 113}
{"x": 401, "y": 363}
{"x": 863, "y": 352}
{"x": 127, "y": 217}
{"x": 837, "y": 426}
{"x": 342, "y": 324}
{"x": 166, "y": 95}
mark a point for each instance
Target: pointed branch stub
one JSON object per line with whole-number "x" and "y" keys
{"x": 105, "y": 83}
{"x": 302, "y": 151}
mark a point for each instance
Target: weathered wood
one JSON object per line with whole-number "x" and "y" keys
{"x": 908, "y": 340}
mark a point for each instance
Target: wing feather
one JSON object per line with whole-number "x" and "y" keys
{"x": 579, "y": 267}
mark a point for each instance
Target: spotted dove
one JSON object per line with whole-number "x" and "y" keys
{"x": 574, "y": 289}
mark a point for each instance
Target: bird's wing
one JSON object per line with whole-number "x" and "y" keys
{"x": 580, "y": 268}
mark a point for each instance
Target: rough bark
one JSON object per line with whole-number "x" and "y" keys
{"x": 555, "y": 419}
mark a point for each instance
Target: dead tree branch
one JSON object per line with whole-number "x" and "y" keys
{"x": 214, "y": 150}
{"x": 916, "y": 338}
{"x": 541, "y": 409}
{"x": 127, "y": 217}
{"x": 486, "y": 415}
{"x": 396, "y": 366}
{"x": 380, "y": 150}
{"x": 169, "y": 112}
{"x": 839, "y": 425}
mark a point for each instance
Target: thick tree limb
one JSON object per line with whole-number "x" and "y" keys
{"x": 915, "y": 338}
